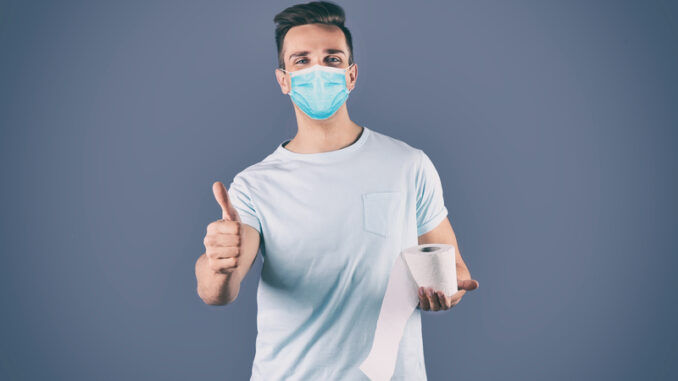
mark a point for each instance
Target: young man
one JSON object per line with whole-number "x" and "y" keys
{"x": 332, "y": 208}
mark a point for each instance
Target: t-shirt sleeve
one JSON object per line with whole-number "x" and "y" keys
{"x": 241, "y": 199}
{"x": 431, "y": 208}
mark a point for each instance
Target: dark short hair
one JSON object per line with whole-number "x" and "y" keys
{"x": 315, "y": 12}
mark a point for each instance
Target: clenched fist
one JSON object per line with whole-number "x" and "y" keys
{"x": 222, "y": 241}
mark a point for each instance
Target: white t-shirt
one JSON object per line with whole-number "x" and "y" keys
{"x": 331, "y": 225}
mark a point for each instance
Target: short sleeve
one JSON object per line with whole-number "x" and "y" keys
{"x": 431, "y": 208}
{"x": 241, "y": 199}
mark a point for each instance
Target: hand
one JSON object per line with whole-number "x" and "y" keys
{"x": 436, "y": 300}
{"x": 222, "y": 241}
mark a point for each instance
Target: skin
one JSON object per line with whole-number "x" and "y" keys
{"x": 231, "y": 247}
{"x": 337, "y": 131}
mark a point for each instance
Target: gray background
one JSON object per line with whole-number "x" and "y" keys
{"x": 552, "y": 125}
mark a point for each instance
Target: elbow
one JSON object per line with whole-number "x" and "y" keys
{"x": 215, "y": 300}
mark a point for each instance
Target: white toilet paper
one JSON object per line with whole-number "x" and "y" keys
{"x": 428, "y": 265}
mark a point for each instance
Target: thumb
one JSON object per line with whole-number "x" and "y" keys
{"x": 228, "y": 212}
{"x": 468, "y": 284}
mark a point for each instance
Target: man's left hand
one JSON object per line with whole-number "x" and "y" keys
{"x": 436, "y": 300}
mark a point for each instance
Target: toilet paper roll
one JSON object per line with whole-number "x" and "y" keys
{"x": 428, "y": 265}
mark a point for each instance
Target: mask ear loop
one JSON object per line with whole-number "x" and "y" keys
{"x": 345, "y": 70}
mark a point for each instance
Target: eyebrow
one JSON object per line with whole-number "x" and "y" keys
{"x": 304, "y": 53}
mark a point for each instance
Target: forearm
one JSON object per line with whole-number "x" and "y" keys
{"x": 216, "y": 288}
{"x": 462, "y": 271}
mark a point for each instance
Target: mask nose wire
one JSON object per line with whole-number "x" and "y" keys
{"x": 348, "y": 67}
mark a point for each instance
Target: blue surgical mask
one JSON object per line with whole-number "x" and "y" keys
{"x": 319, "y": 90}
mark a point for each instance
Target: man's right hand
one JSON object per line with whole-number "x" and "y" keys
{"x": 222, "y": 241}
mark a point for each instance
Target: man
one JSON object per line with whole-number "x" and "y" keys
{"x": 332, "y": 208}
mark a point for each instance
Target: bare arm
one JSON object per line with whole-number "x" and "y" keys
{"x": 220, "y": 288}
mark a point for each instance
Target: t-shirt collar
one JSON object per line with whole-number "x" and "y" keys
{"x": 320, "y": 157}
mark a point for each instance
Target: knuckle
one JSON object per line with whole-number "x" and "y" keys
{"x": 212, "y": 225}
{"x": 232, "y": 226}
{"x": 210, "y": 256}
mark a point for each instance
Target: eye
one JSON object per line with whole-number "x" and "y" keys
{"x": 298, "y": 61}
{"x": 336, "y": 58}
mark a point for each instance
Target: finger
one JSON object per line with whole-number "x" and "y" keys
{"x": 221, "y": 240}
{"x": 222, "y": 252}
{"x": 423, "y": 300}
{"x": 228, "y": 212}
{"x": 224, "y": 227}
{"x": 432, "y": 299}
{"x": 443, "y": 300}
{"x": 223, "y": 265}
{"x": 467, "y": 284}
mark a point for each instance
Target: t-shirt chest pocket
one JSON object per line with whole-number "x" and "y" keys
{"x": 379, "y": 212}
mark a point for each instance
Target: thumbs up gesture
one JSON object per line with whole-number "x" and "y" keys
{"x": 222, "y": 241}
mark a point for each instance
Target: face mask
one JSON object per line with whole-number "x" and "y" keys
{"x": 319, "y": 90}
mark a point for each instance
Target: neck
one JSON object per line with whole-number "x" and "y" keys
{"x": 333, "y": 133}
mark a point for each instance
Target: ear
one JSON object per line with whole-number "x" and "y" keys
{"x": 283, "y": 81}
{"x": 351, "y": 76}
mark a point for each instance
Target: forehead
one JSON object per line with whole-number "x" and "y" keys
{"x": 313, "y": 37}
